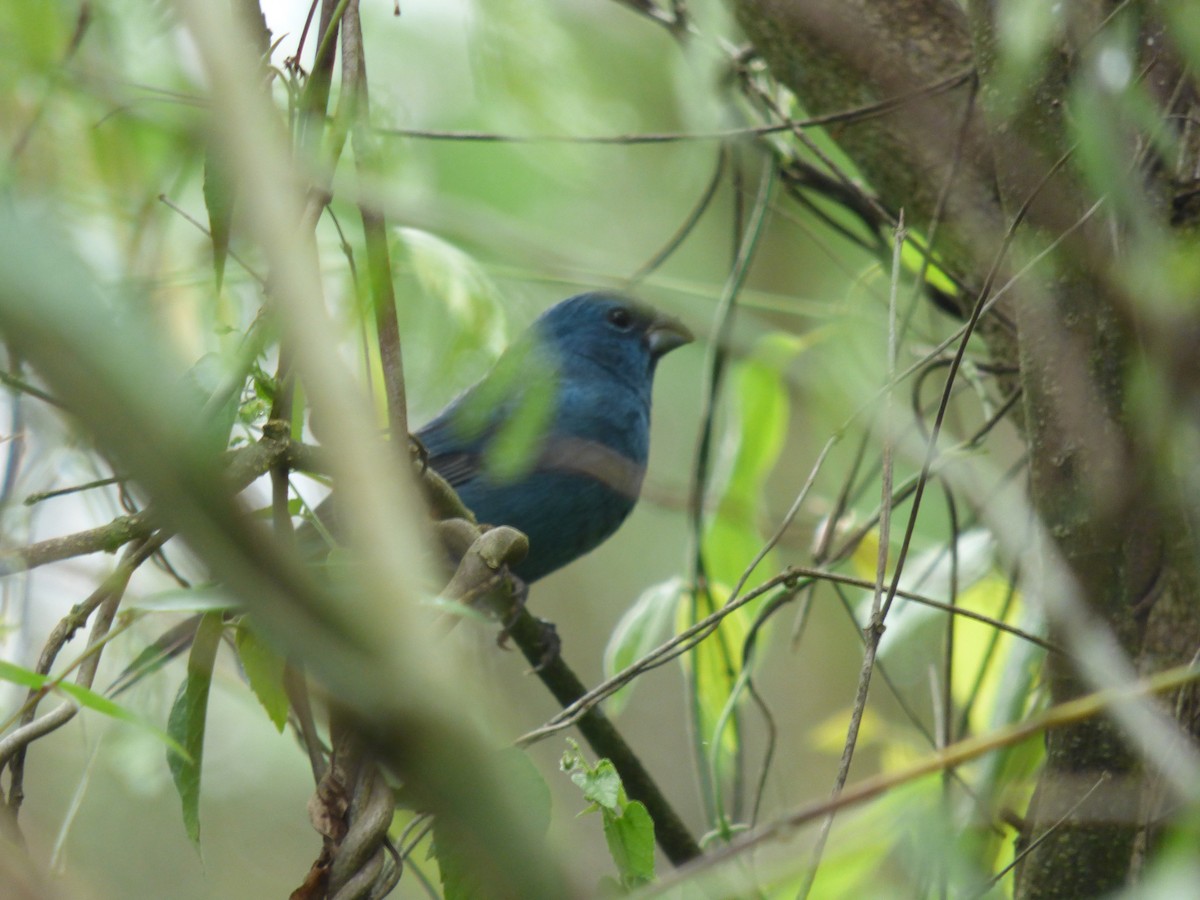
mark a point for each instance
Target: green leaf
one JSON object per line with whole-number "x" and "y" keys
{"x": 523, "y": 387}
{"x": 628, "y": 828}
{"x": 219, "y": 192}
{"x": 203, "y": 598}
{"x": 461, "y": 286}
{"x": 754, "y": 440}
{"x": 912, "y": 258}
{"x": 645, "y": 625}
{"x": 630, "y": 838}
{"x": 264, "y": 670}
{"x": 165, "y": 648}
{"x": 86, "y": 698}
{"x": 715, "y": 665}
{"x": 600, "y": 784}
{"x": 732, "y": 540}
{"x": 526, "y": 790}
{"x": 187, "y": 721}
{"x": 916, "y": 631}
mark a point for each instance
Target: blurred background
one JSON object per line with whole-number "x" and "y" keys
{"x": 108, "y": 139}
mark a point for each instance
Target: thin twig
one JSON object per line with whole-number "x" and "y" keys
{"x": 107, "y": 598}
{"x": 792, "y": 578}
{"x": 747, "y": 243}
{"x": 375, "y": 233}
{"x": 874, "y": 629}
{"x": 954, "y": 756}
{"x": 857, "y": 114}
{"x": 1104, "y": 778}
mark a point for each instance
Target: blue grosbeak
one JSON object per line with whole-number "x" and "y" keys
{"x": 553, "y": 440}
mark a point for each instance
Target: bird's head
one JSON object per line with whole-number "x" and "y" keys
{"x": 616, "y": 332}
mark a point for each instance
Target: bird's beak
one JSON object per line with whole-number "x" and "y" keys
{"x": 665, "y": 334}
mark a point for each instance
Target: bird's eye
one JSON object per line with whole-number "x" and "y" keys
{"x": 621, "y": 318}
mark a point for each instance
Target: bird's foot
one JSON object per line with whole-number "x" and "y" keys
{"x": 518, "y": 596}
{"x": 550, "y": 643}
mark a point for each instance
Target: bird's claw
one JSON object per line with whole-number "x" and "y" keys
{"x": 518, "y": 596}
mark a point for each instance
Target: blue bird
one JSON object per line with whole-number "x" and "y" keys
{"x": 554, "y": 439}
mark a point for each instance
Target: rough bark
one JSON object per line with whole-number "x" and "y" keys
{"x": 1097, "y": 478}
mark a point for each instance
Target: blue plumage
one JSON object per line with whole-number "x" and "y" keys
{"x": 554, "y": 439}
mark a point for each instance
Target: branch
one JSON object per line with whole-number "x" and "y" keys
{"x": 244, "y": 466}
{"x": 481, "y": 573}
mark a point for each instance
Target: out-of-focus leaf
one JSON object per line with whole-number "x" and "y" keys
{"x": 716, "y": 664}
{"x": 187, "y": 721}
{"x": 456, "y": 282}
{"x": 753, "y": 441}
{"x": 518, "y": 405}
{"x": 528, "y": 791}
{"x": 1117, "y": 109}
{"x": 628, "y": 828}
{"x": 219, "y": 193}
{"x": 264, "y": 670}
{"x": 199, "y": 599}
{"x": 513, "y": 452}
{"x": 913, "y": 628}
{"x": 913, "y": 259}
{"x": 888, "y": 849}
{"x": 896, "y": 743}
{"x": 165, "y": 648}
{"x": 645, "y": 625}
{"x": 88, "y": 699}
{"x": 1027, "y": 30}
{"x": 731, "y": 540}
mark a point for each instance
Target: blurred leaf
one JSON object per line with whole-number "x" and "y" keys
{"x": 165, "y": 648}
{"x": 295, "y": 507}
{"x": 199, "y": 599}
{"x": 459, "y": 286}
{"x": 188, "y": 718}
{"x": 715, "y": 665}
{"x": 829, "y": 735}
{"x": 1113, "y": 111}
{"x": 628, "y": 828}
{"x": 514, "y": 450}
{"x": 884, "y": 850}
{"x": 993, "y": 596}
{"x": 517, "y": 403}
{"x": 911, "y": 626}
{"x": 264, "y": 670}
{"x": 219, "y": 381}
{"x": 219, "y": 193}
{"x": 527, "y": 791}
{"x": 1185, "y": 27}
{"x": 86, "y": 698}
{"x": 1027, "y": 32}
{"x": 753, "y": 441}
{"x": 645, "y": 625}
{"x": 913, "y": 258}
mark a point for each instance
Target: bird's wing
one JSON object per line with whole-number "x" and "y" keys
{"x": 455, "y": 459}
{"x": 457, "y": 440}
{"x": 457, "y": 468}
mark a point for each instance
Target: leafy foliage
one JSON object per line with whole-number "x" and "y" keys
{"x": 628, "y": 828}
{"x": 160, "y": 372}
